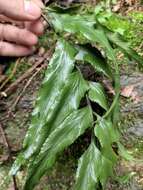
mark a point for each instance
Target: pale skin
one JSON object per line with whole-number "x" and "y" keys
{"x": 20, "y": 26}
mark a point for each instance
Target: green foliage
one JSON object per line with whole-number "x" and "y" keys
{"x": 137, "y": 16}
{"x": 90, "y": 170}
{"x": 130, "y": 27}
{"x": 64, "y": 107}
{"x": 97, "y": 94}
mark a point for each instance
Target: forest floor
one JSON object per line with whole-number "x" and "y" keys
{"x": 15, "y": 111}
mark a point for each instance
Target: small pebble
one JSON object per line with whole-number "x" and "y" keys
{"x": 41, "y": 51}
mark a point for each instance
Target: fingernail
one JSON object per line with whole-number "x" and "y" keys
{"x": 32, "y": 9}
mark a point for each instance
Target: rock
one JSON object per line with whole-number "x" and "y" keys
{"x": 137, "y": 129}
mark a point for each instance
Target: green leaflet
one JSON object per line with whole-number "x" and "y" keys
{"x": 125, "y": 47}
{"x": 62, "y": 22}
{"x": 93, "y": 168}
{"x": 97, "y": 94}
{"x": 99, "y": 63}
{"x": 107, "y": 134}
{"x": 65, "y": 134}
{"x": 56, "y": 76}
{"x": 84, "y": 26}
{"x": 58, "y": 70}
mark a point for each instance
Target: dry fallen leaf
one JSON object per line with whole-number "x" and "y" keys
{"x": 130, "y": 2}
{"x": 127, "y": 91}
{"x": 11, "y": 187}
{"x": 116, "y": 7}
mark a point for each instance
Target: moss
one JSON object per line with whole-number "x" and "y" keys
{"x": 131, "y": 26}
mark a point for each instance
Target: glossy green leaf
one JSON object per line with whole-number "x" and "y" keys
{"x": 93, "y": 168}
{"x": 99, "y": 63}
{"x": 96, "y": 164}
{"x": 97, "y": 94}
{"x": 62, "y": 22}
{"x": 56, "y": 76}
{"x": 65, "y": 134}
{"x": 106, "y": 131}
{"x": 84, "y": 26}
{"x": 107, "y": 134}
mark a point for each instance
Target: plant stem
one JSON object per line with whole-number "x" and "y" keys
{"x": 117, "y": 90}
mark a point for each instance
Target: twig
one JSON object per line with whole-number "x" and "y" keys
{"x": 25, "y": 75}
{"x": 11, "y": 75}
{"x": 15, "y": 183}
{"x": 25, "y": 87}
{"x": 45, "y": 18}
{"x": 5, "y": 139}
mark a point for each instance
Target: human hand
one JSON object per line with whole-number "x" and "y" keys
{"x": 19, "y": 39}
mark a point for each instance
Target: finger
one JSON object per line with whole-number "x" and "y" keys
{"x": 13, "y": 50}
{"x": 5, "y": 19}
{"x": 19, "y": 36}
{"x": 36, "y": 27}
{"x": 23, "y": 10}
{"x": 39, "y": 3}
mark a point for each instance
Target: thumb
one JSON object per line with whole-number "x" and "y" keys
{"x": 22, "y": 10}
